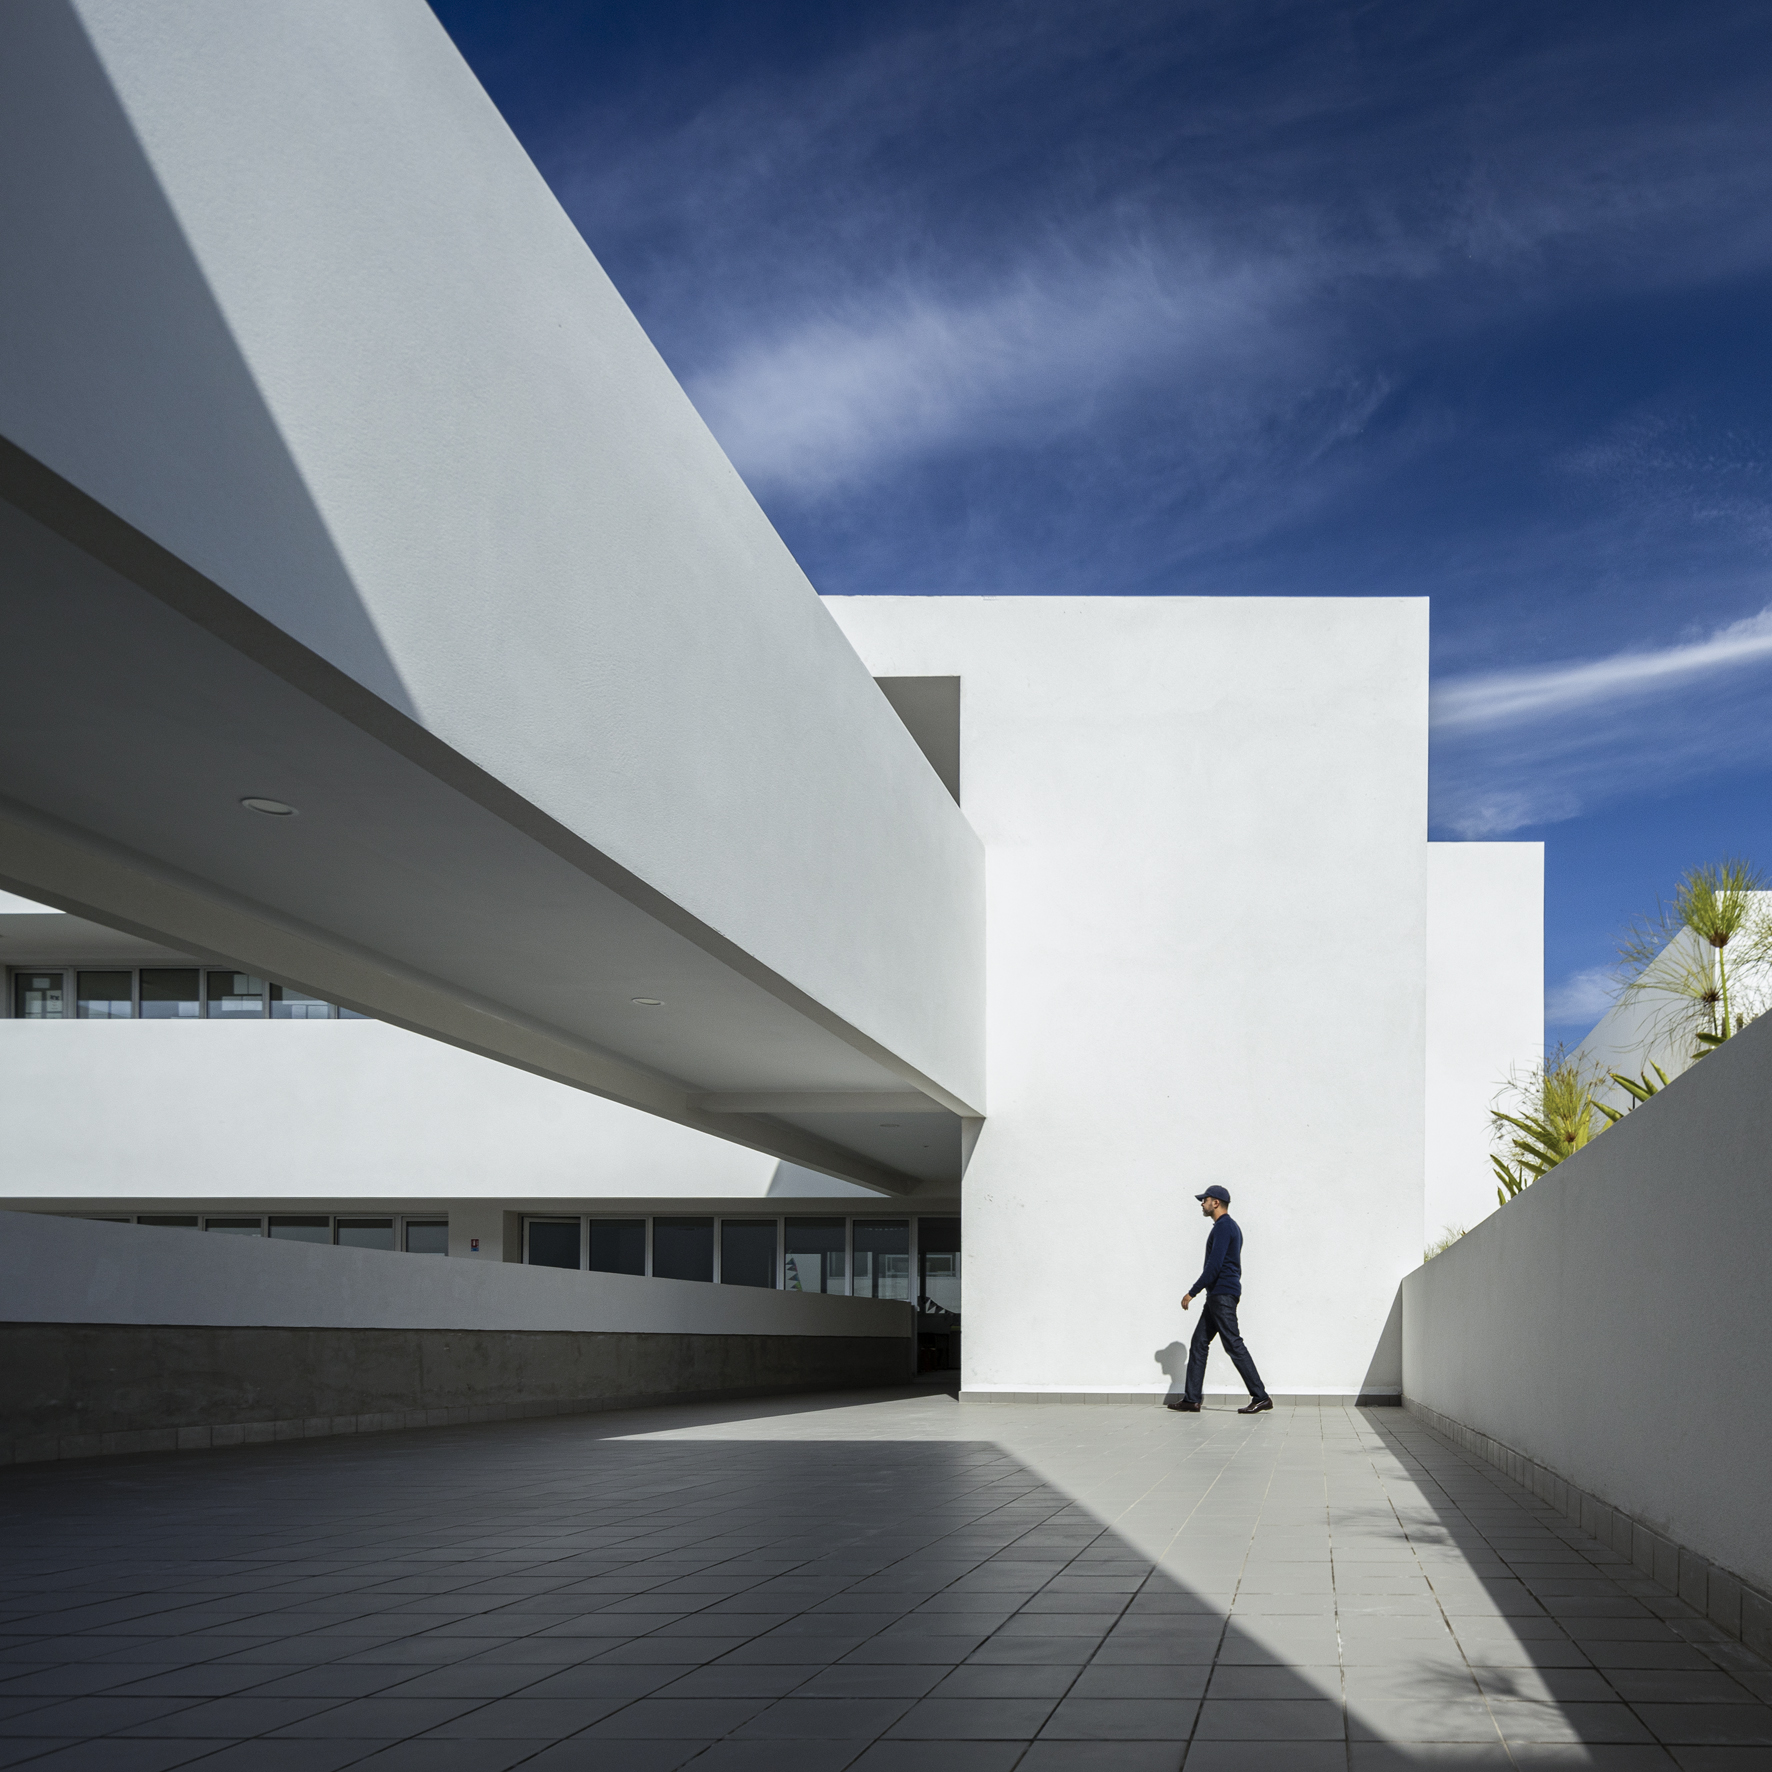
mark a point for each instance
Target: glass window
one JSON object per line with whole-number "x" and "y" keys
{"x": 618, "y": 1245}
{"x": 302, "y": 1230}
{"x": 365, "y": 1233}
{"x": 345, "y": 1014}
{"x": 683, "y": 1248}
{"x": 235, "y": 995}
{"x": 747, "y": 1251}
{"x": 169, "y": 993}
{"x": 938, "y": 1262}
{"x": 553, "y": 1242}
{"x": 105, "y": 996}
{"x": 815, "y": 1260}
{"x": 289, "y": 1004}
{"x": 37, "y": 996}
{"x": 236, "y": 1227}
{"x": 883, "y": 1258}
{"x": 177, "y": 1221}
{"x": 427, "y": 1236}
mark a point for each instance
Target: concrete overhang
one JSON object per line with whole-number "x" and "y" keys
{"x": 336, "y": 474}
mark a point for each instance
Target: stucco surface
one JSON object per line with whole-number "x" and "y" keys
{"x": 1611, "y": 1322}
{"x": 1485, "y": 1011}
{"x": 285, "y": 295}
{"x": 1206, "y": 828}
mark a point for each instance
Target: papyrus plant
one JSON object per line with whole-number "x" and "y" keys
{"x": 1703, "y": 963}
{"x": 1556, "y": 1117}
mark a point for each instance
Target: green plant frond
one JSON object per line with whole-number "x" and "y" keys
{"x": 1613, "y": 1115}
{"x": 1717, "y": 902}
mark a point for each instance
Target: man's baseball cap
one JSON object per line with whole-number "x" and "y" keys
{"x": 1215, "y": 1192}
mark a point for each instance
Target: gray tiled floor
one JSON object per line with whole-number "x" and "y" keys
{"x": 892, "y": 1584}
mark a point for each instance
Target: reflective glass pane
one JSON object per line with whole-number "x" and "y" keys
{"x": 553, "y": 1242}
{"x": 747, "y": 1251}
{"x": 37, "y": 996}
{"x": 428, "y": 1238}
{"x": 169, "y": 993}
{"x": 618, "y": 1245}
{"x": 236, "y": 995}
{"x": 882, "y": 1258}
{"x": 289, "y": 1004}
{"x": 938, "y": 1258}
{"x": 177, "y": 1221}
{"x": 105, "y": 996}
{"x": 302, "y": 1230}
{"x": 814, "y": 1257}
{"x": 236, "y": 1227}
{"x": 683, "y": 1248}
{"x": 366, "y": 1233}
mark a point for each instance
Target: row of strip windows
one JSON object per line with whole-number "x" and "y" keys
{"x": 162, "y": 993}
{"x": 918, "y": 1261}
{"x": 417, "y": 1236}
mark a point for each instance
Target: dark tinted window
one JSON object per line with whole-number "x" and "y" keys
{"x": 37, "y": 996}
{"x": 366, "y": 1233}
{"x": 302, "y": 1230}
{"x": 105, "y": 996}
{"x": 169, "y": 993}
{"x": 428, "y": 1238}
{"x": 747, "y": 1251}
{"x": 683, "y": 1248}
{"x": 813, "y": 1258}
{"x": 553, "y": 1242}
{"x": 618, "y": 1245}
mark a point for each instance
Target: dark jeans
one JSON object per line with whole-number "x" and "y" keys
{"x": 1218, "y": 1316}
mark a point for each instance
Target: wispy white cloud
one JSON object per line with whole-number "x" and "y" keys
{"x": 1581, "y": 999}
{"x": 1514, "y": 698}
{"x": 906, "y": 372}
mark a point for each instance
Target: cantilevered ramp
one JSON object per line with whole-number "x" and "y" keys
{"x": 337, "y": 476}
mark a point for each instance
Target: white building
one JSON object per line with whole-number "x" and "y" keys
{"x": 399, "y": 639}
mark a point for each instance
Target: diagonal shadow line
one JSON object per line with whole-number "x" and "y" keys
{"x": 825, "y": 1558}
{"x": 1568, "y": 1603}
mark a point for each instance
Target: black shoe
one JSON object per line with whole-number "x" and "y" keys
{"x": 1255, "y": 1405}
{"x": 1182, "y": 1404}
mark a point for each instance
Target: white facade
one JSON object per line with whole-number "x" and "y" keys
{"x": 1205, "y": 824}
{"x": 334, "y": 474}
{"x": 1485, "y": 1012}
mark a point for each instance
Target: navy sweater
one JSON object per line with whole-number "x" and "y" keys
{"x": 1223, "y": 1271}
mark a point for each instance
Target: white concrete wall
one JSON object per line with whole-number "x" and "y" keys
{"x": 283, "y": 291}
{"x": 1611, "y": 1323}
{"x": 1485, "y": 1011}
{"x": 285, "y": 1110}
{"x": 59, "y": 1270}
{"x": 1206, "y": 829}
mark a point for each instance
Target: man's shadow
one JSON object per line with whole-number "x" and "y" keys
{"x": 1173, "y": 1360}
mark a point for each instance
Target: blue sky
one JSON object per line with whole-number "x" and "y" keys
{"x": 1467, "y": 301}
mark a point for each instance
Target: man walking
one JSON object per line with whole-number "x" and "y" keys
{"x": 1222, "y": 1281}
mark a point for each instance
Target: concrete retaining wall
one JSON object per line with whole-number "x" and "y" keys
{"x": 1611, "y": 1329}
{"x": 75, "y": 1390}
{"x": 131, "y": 1338}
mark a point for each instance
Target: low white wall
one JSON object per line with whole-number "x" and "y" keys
{"x": 1485, "y": 1011}
{"x": 60, "y": 1270}
{"x": 1614, "y": 1323}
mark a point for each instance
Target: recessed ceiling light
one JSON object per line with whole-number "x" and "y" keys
{"x": 270, "y": 808}
{"x": 647, "y": 1002}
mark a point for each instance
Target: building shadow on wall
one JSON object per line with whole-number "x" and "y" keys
{"x": 727, "y": 1580}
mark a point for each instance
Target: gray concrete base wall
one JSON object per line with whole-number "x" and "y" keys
{"x": 75, "y": 1390}
{"x": 1214, "y": 1399}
